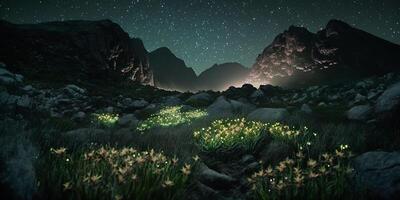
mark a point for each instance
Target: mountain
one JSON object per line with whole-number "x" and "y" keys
{"x": 337, "y": 53}
{"x": 221, "y": 77}
{"x": 71, "y": 51}
{"x": 171, "y": 72}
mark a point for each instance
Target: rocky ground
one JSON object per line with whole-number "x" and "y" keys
{"x": 371, "y": 105}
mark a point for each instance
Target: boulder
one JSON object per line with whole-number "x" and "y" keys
{"x": 389, "y": 100}
{"x": 269, "y": 114}
{"x": 361, "y": 112}
{"x": 24, "y": 102}
{"x": 214, "y": 179}
{"x": 171, "y": 101}
{"x": 226, "y": 107}
{"x": 199, "y": 99}
{"x": 305, "y": 108}
{"x": 274, "y": 153}
{"x": 127, "y": 120}
{"x": 379, "y": 173}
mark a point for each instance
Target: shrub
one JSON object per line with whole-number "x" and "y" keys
{"x": 110, "y": 173}
{"x": 171, "y": 116}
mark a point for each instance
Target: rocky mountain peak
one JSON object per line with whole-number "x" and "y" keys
{"x": 340, "y": 51}
{"x": 81, "y": 50}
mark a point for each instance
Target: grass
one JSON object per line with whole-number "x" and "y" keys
{"x": 229, "y": 133}
{"x": 105, "y": 119}
{"x": 112, "y": 173}
{"x": 302, "y": 177}
{"x": 170, "y": 116}
{"x": 232, "y": 133}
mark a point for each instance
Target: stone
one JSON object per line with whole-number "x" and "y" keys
{"x": 274, "y": 153}
{"x": 24, "y": 102}
{"x": 360, "y": 98}
{"x": 361, "y": 112}
{"x": 220, "y": 107}
{"x": 137, "y": 104}
{"x": 199, "y": 99}
{"x": 74, "y": 90}
{"x": 306, "y": 109}
{"x": 128, "y": 120}
{"x": 389, "y": 100}
{"x": 269, "y": 114}
{"x": 214, "y": 179}
{"x": 171, "y": 101}
{"x": 79, "y": 115}
{"x": 378, "y": 172}
{"x": 109, "y": 109}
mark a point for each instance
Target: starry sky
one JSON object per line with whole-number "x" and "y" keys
{"x": 205, "y": 32}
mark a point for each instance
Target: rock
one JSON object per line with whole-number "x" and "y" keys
{"x": 258, "y": 94}
{"x": 79, "y": 115}
{"x": 199, "y": 99}
{"x": 171, "y": 101}
{"x": 89, "y": 51}
{"x": 361, "y": 112}
{"x": 379, "y": 173}
{"x": 270, "y": 90}
{"x": 246, "y": 159}
{"x": 109, "y": 109}
{"x": 24, "y": 102}
{"x": 74, "y": 91}
{"x": 137, "y": 104}
{"x": 128, "y": 120}
{"x": 274, "y": 153}
{"x": 220, "y": 107}
{"x": 269, "y": 114}
{"x": 226, "y": 107}
{"x": 87, "y": 135}
{"x": 306, "y": 109}
{"x": 360, "y": 98}
{"x": 322, "y": 104}
{"x": 214, "y": 179}
{"x": 389, "y": 100}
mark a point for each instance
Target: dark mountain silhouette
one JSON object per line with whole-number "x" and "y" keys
{"x": 337, "y": 53}
{"x": 73, "y": 51}
{"x": 221, "y": 77}
{"x": 171, "y": 72}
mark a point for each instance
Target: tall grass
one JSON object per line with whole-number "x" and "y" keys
{"x": 112, "y": 173}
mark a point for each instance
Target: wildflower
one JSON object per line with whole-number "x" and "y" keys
{"x": 118, "y": 197}
{"x": 134, "y": 177}
{"x": 322, "y": 170}
{"x": 339, "y": 153}
{"x": 167, "y": 183}
{"x": 67, "y": 186}
{"x": 174, "y": 161}
{"x": 300, "y": 155}
{"x": 59, "y": 151}
{"x": 313, "y": 175}
{"x": 311, "y": 163}
{"x": 281, "y": 167}
{"x": 298, "y": 180}
{"x": 269, "y": 171}
{"x": 196, "y": 158}
{"x": 186, "y": 169}
{"x": 95, "y": 178}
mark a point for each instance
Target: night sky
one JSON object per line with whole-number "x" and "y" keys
{"x": 205, "y": 32}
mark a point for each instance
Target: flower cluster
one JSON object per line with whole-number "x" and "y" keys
{"x": 105, "y": 119}
{"x": 126, "y": 173}
{"x": 303, "y": 177}
{"x": 171, "y": 116}
{"x": 227, "y": 133}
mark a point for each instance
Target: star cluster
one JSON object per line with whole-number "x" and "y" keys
{"x": 204, "y": 32}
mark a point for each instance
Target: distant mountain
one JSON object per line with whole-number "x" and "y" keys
{"x": 339, "y": 52}
{"x": 73, "y": 51}
{"x": 171, "y": 72}
{"x": 221, "y": 77}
